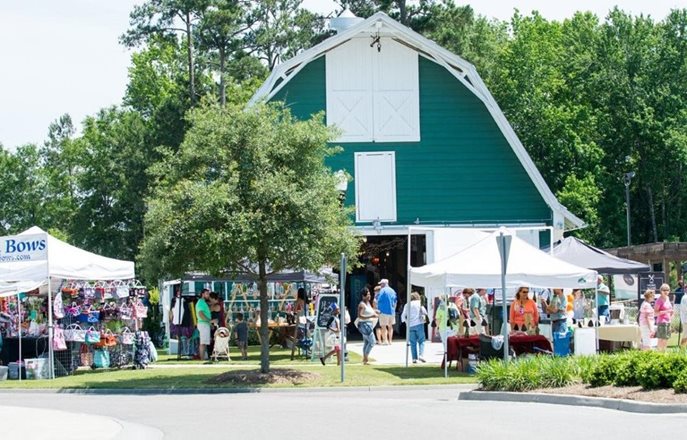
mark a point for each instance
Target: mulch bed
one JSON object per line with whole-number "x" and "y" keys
{"x": 629, "y": 393}
{"x": 255, "y": 377}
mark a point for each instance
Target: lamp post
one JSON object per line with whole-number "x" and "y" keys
{"x": 628, "y": 179}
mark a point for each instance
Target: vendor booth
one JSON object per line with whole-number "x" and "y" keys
{"x": 239, "y": 295}
{"x": 576, "y": 251}
{"x": 479, "y": 265}
{"x": 64, "y": 307}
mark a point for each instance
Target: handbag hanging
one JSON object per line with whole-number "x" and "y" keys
{"x": 74, "y": 333}
{"x": 101, "y": 359}
{"x": 122, "y": 292}
{"x": 140, "y": 309}
{"x": 58, "y": 340}
{"x": 127, "y": 337}
{"x": 58, "y": 307}
{"x": 92, "y": 336}
{"x": 86, "y": 356}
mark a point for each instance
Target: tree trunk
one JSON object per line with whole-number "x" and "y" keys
{"x": 652, "y": 214}
{"x": 403, "y": 12}
{"x": 222, "y": 85}
{"x": 189, "y": 50}
{"x": 264, "y": 317}
{"x": 664, "y": 215}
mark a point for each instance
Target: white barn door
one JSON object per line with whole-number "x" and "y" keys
{"x": 375, "y": 186}
{"x": 396, "y": 94}
{"x": 349, "y": 90}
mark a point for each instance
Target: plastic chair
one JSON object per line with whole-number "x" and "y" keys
{"x": 221, "y": 348}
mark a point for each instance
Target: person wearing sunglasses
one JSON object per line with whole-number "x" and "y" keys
{"x": 523, "y": 311}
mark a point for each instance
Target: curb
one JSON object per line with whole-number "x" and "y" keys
{"x": 560, "y": 399}
{"x": 187, "y": 391}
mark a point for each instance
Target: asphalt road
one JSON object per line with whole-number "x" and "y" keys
{"x": 381, "y": 414}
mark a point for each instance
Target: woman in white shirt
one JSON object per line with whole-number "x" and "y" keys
{"x": 414, "y": 316}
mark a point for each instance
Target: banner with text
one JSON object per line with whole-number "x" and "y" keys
{"x": 18, "y": 248}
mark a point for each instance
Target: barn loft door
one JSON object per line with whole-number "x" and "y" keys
{"x": 396, "y": 94}
{"x": 373, "y": 95}
{"x": 375, "y": 186}
{"x": 349, "y": 91}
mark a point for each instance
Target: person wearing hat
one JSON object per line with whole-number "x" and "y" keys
{"x": 387, "y": 311}
{"x": 604, "y": 298}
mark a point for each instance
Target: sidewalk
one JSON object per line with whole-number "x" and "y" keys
{"x": 395, "y": 354}
{"x": 37, "y": 423}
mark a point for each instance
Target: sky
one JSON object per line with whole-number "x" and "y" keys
{"x": 63, "y": 56}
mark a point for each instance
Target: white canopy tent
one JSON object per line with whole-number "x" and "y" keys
{"x": 34, "y": 258}
{"x": 479, "y": 265}
{"x": 65, "y": 261}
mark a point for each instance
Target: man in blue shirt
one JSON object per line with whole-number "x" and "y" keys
{"x": 386, "y": 304}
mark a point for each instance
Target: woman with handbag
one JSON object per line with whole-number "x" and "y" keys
{"x": 414, "y": 315}
{"x": 367, "y": 317}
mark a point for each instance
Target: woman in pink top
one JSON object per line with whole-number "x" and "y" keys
{"x": 646, "y": 319}
{"x": 664, "y": 312}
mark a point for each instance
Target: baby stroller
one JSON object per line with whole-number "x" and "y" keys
{"x": 221, "y": 348}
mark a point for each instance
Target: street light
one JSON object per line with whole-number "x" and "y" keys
{"x": 628, "y": 179}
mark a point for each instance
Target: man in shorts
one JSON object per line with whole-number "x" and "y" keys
{"x": 203, "y": 317}
{"x": 387, "y": 311}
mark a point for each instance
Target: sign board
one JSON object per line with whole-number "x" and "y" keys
{"x": 649, "y": 280}
{"x": 23, "y": 248}
{"x": 324, "y": 311}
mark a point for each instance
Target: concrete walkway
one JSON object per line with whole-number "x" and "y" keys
{"x": 395, "y": 354}
{"x": 39, "y": 424}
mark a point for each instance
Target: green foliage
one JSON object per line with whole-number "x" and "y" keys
{"x": 661, "y": 370}
{"x": 628, "y": 367}
{"x": 527, "y": 373}
{"x": 279, "y": 29}
{"x": 648, "y": 369}
{"x": 248, "y": 192}
{"x": 680, "y": 383}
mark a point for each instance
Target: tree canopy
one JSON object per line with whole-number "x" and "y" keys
{"x": 248, "y": 192}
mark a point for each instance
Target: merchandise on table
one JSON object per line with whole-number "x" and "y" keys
{"x": 94, "y": 325}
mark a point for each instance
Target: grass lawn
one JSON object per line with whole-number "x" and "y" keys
{"x": 169, "y": 373}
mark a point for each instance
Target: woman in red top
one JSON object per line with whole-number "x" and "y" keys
{"x": 523, "y": 311}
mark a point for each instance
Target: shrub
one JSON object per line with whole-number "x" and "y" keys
{"x": 661, "y": 370}
{"x": 680, "y": 384}
{"x": 627, "y": 367}
{"x": 526, "y": 373}
{"x": 601, "y": 372}
{"x": 493, "y": 375}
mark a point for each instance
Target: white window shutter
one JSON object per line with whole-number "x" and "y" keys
{"x": 349, "y": 90}
{"x": 375, "y": 186}
{"x": 396, "y": 93}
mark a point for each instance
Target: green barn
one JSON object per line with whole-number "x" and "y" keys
{"x": 425, "y": 142}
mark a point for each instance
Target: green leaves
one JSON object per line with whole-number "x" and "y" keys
{"x": 251, "y": 185}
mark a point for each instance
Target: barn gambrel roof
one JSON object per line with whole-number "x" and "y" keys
{"x": 462, "y": 70}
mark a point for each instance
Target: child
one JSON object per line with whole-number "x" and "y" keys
{"x": 241, "y": 331}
